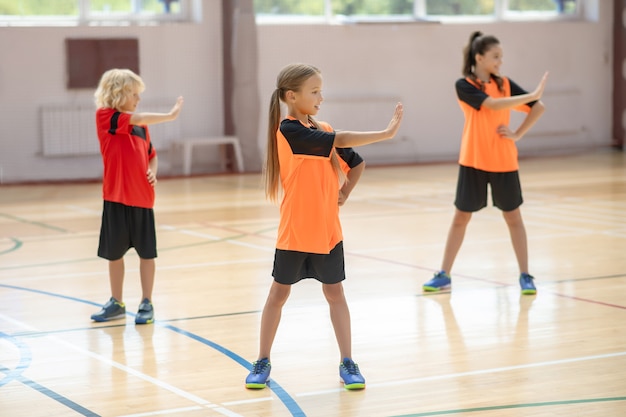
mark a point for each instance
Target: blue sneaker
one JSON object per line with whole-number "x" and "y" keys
{"x": 350, "y": 375}
{"x": 527, "y": 284}
{"x": 259, "y": 375}
{"x": 112, "y": 310}
{"x": 145, "y": 315}
{"x": 441, "y": 281}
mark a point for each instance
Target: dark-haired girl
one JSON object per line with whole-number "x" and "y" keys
{"x": 489, "y": 153}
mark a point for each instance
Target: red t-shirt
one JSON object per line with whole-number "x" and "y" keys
{"x": 309, "y": 210}
{"x": 126, "y": 151}
{"x": 481, "y": 145}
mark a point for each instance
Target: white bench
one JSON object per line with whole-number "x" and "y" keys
{"x": 189, "y": 144}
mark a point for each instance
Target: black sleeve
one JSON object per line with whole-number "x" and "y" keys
{"x": 349, "y": 156}
{"x": 113, "y": 124}
{"x": 516, "y": 90}
{"x": 468, "y": 93}
{"x": 306, "y": 141}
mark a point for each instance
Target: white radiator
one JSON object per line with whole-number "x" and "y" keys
{"x": 70, "y": 130}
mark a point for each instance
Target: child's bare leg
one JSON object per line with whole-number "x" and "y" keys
{"x": 116, "y": 278}
{"x": 271, "y": 317}
{"x": 340, "y": 317}
{"x": 456, "y": 234}
{"x": 518, "y": 237}
{"x": 147, "y": 268}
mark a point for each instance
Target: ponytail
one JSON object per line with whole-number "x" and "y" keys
{"x": 469, "y": 56}
{"x": 290, "y": 78}
{"x": 479, "y": 44}
{"x": 272, "y": 164}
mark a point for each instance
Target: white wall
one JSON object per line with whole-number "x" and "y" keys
{"x": 175, "y": 59}
{"x": 365, "y": 68}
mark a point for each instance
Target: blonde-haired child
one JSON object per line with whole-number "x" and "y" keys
{"x": 130, "y": 169}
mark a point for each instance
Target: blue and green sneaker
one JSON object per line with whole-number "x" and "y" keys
{"x": 441, "y": 281}
{"x": 112, "y": 310}
{"x": 350, "y": 375}
{"x": 259, "y": 374}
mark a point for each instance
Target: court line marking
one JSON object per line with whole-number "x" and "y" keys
{"x": 16, "y": 245}
{"x": 54, "y": 395}
{"x": 287, "y": 400}
{"x": 164, "y": 412}
{"x": 220, "y": 410}
{"x": 84, "y": 210}
{"x": 256, "y": 246}
{"x": 249, "y": 401}
{"x": 33, "y": 223}
{"x": 232, "y": 241}
{"x": 135, "y": 269}
{"x": 504, "y": 407}
{"x": 589, "y": 211}
{"x": 442, "y": 244}
{"x": 112, "y": 363}
{"x": 471, "y": 373}
{"x": 24, "y": 361}
{"x": 550, "y": 214}
{"x": 357, "y": 254}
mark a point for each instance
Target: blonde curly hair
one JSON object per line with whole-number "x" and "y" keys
{"x": 115, "y": 85}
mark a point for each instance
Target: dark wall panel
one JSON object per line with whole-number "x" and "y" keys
{"x": 87, "y": 59}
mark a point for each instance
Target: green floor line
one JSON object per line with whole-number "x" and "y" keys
{"x": 16, "y": 245}
{"x": 504, "y": 407}
{"x": 39, "y": 224}
{"x": 95, "y": 257}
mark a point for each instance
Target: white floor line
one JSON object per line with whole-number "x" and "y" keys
{"x": 226, "y": 412}
{"x": 226, "y": 240}
{"x": 442, "y": 243}
{"x": 81, "y": 275}
{"x": 161, "y": 384}
{"x": 471, "y": 373}
{"x": 549, "y": 213}
{"x": 85, "y": 210}
{"x": 252, "y": 401}
{"x": 164, "y": 412}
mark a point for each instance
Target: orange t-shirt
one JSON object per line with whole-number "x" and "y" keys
{"x": 481, "y": 145}
{"x": 309, "y": 210}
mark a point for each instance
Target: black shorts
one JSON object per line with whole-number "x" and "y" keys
{"x": 124, "y": 227}
{"x": 471, "y": 189}
{"x": 292, "y": 266}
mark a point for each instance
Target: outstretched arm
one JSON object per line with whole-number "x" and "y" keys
{"x": 351, "y": 180}
{"x": 514, "y": 101}
{"x": 154, "y": 118}
{"x": 350, "y": 139}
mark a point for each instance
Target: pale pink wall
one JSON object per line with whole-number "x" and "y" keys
{"x": 417, "y": 63}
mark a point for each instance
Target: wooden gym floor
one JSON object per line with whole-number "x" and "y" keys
{"x": 479, "y": 350}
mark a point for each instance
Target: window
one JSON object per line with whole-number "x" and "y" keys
{"x": 283, "y": 11}
{"x": 23, "y": 8}
{"x": 459, "y": 8}
{"x": 373, "y": 7}
{"x": 291, "y": 11}
{"x": 104, "y": 8}
{"x": 538, "y": 7}
{"x": 72, "y": 12}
